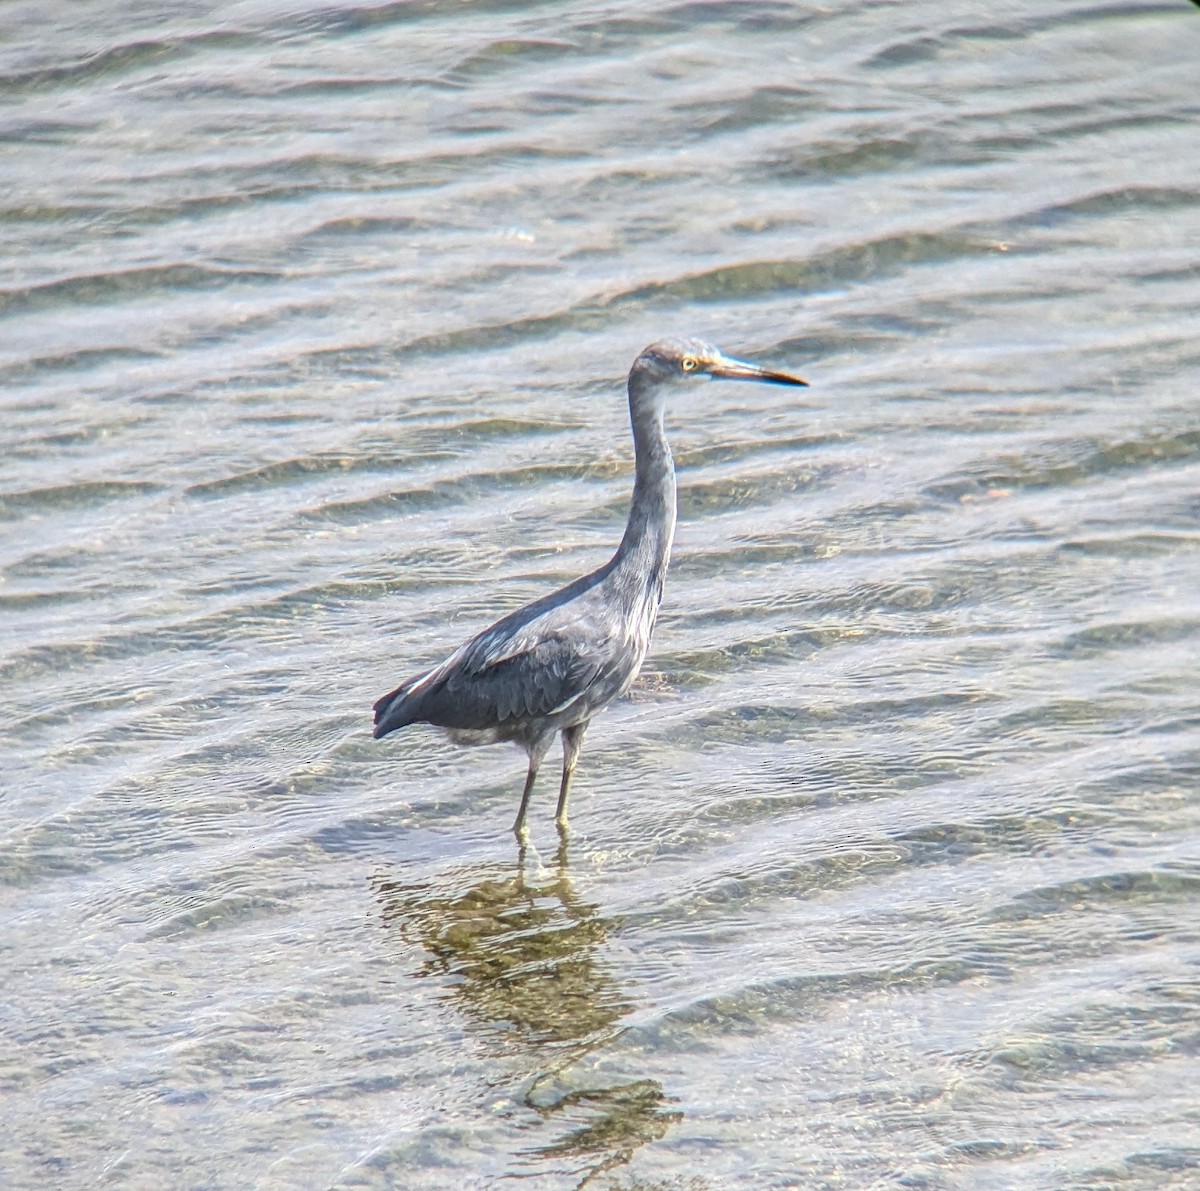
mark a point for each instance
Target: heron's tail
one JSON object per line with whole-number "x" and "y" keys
{"x": 408, "y": 703}
{"x": 393, "y": 711}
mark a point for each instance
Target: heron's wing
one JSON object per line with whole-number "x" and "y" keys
{"x": 537, "y": 670}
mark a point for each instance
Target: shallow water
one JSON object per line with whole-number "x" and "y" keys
{"x": 313, "y": 325}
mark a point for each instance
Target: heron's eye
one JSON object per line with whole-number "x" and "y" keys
{"x": 688, "y": 364}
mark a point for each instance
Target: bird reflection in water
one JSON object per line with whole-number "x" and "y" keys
{"x": 522, "y": 959}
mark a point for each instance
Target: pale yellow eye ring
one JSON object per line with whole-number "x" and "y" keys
{"x": 688, "y": 364}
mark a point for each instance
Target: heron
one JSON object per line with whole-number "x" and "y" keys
{"x": 550, "y": 666}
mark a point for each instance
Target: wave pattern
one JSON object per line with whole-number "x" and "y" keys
{"x": 313, "y": 320}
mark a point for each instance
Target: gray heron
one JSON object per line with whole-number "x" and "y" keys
{"x": 550, "y": 666}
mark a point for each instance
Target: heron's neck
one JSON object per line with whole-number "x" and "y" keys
{"x": 645, "y": 549}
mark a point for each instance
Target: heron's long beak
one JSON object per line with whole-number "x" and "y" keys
{"x": 727, "y": 369}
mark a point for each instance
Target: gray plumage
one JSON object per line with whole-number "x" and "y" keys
{"x": 550, "y": 666}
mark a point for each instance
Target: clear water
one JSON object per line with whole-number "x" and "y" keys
{"x": 313, "y": 327}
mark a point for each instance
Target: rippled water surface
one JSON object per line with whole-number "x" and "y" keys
{"x": 313, "y": 328}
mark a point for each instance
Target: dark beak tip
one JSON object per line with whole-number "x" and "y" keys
{"x": 783, "y": 378}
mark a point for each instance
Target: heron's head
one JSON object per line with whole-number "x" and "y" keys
{"x": 672, "y": 362}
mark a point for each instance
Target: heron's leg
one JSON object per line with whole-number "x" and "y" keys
{"x": 572, "y": 744}
{"x": 519, "y": 826}
{"x": 537, "y": 751}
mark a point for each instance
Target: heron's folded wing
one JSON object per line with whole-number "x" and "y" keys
{"x": 529, "y": 674}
